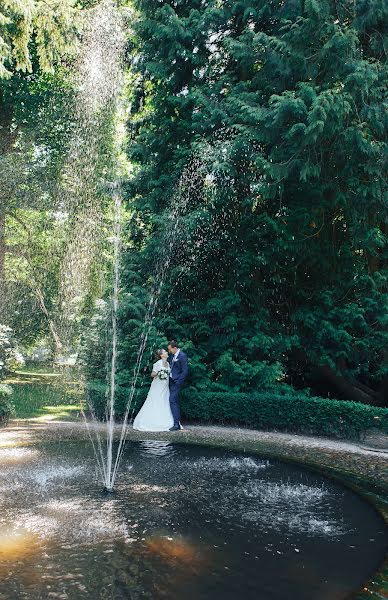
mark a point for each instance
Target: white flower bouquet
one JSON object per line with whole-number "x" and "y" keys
{"x": 163, "y": 374}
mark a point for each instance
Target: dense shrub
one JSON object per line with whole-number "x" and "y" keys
{"x": 10, "y": 357}
{"x": 287, "y": 412}
{"x": 6, "y": 405}
{"x": 281, "y": 409}
{"x": 96, "y": 399}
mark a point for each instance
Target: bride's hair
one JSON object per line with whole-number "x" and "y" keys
{"x": 158, "y": 353}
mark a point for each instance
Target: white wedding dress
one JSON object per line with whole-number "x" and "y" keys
{"x": 155, "y": 414}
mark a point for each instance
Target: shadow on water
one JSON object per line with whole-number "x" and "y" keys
{"x": 184, "y": 522}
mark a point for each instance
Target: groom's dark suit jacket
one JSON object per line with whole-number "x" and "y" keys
{"x": 179, "y": 368}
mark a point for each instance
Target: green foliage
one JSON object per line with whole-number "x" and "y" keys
{"x": 352, "y": 331}
{"x": 280, "y": 264}
{"x": 7, "y": 409}
{"x": 49, "y": 25}
{"x": 36, "y": 125}
{"x": 43, "y": 395}
{"x": 285, "y": 411}
{"x": 96, "y": 399}
{"x": 45, "y": 202}
{"x": 10, "y": 357}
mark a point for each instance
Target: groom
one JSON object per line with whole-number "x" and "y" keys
{"x": 179, "y": 371}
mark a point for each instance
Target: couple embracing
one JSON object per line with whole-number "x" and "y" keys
{"x": 161, "y": 410}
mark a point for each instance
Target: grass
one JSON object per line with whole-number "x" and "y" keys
{"x": 44, "y": 394}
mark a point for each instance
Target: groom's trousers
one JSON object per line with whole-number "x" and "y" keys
{"x": 175, "y": 389}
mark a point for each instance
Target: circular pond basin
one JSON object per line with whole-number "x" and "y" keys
{"x": 185, "y": 523}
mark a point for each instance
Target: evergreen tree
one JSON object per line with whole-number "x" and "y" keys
{"x": 280, "y": 272}
{"x": 49, "y": 26}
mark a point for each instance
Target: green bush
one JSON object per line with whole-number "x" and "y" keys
{"x": 285, "y": 412}
{"x": 10, "y": 357}
{"x": 6, "y": 406}
{"x": 282, "y": 409}
{"x": 96, "y": 399}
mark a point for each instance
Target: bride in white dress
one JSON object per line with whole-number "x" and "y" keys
{"x": 155, "y": 414}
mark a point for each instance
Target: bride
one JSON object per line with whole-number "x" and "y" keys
{"x": 155, "y": 414}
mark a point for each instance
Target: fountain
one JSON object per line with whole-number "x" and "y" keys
{"x": 180, "y": 199}
{"x": 185, "y": 522}
{"x": 99, "y": 82}
{"x": 115, "y": 304}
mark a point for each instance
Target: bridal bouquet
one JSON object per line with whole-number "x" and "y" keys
{"x": 163, "y": 374}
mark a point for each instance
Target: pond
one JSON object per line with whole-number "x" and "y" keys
{"x": 185, "y": 522}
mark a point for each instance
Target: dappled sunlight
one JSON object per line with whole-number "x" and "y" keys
{"x": 143, "y": 488}
{"x": 55, "y": 474}
{"x": 30, "y": 377}
{"x": 65, "y": 506}
{"x": 78, "y": 520}
{"x": 17, "y": 436}
{"x": 38, "y": 374}
{"x": 28, "y": 380}
{"x": 17, "y": 456}
{"x": 185, "y": 512}
{"x": 54, "y": 413}
{"x": 38, "y": 524}
{"x": 45, "y": 397}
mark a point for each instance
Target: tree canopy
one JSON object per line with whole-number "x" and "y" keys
{"x": 44, "y": 29}
{"x": 280, "y": 272}
{"x": 255, "y": 209}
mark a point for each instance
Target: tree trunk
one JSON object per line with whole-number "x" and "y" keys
{"x": 6, "y": 143}
{"x": 53, "y": 330}
{"x": 350, "y": 389}
{"x": 37, "y": 290}
{"x": 2, "y": 248}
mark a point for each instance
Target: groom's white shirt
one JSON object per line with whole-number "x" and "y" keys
{"x": 175, "y": 358}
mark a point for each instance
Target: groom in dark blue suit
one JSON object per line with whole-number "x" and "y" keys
{"x": 179, "y": 371}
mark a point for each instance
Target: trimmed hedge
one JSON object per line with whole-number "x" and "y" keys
{"x": 7, "y": 409}
{"x": 272, "y": 411}
{"x": 283, "y": 409}
{"x": 96, "y": 398}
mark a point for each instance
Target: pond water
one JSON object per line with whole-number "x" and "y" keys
{"x": 185, "y": 523}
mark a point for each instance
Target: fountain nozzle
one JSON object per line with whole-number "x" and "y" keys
{"x": 108, "y": 490}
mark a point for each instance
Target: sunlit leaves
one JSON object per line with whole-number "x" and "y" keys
{"x": 52, "y": 24}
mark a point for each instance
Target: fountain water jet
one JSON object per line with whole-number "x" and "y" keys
{"x": 190, "y": 184}
{"x": 179, "y": 204}
{"x": 115, "y": 306}
{"x": 99, "y": 82}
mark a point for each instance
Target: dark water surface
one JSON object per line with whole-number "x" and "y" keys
{"x": 185, "y": 523}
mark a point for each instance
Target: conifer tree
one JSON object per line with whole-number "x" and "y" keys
{"x": 280, "y": 269}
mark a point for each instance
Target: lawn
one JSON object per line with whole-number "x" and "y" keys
{"x": 45, "y": 394}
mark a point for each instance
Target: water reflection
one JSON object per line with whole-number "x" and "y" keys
{"x": 185, "y": 522}
{"x": 17, "y": 543}
{"x": 16, "y": 456}
{"x": 174, "y": 550}
{"x": 156, "y": 448}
